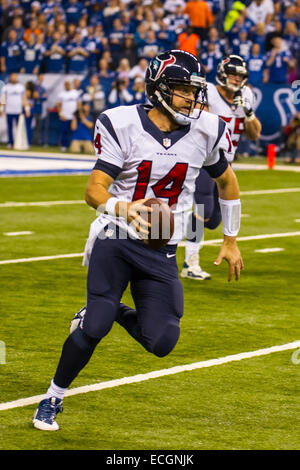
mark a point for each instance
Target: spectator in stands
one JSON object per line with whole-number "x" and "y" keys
{"x": 81, "y": 127}
{"x": 279, "y": 61}
{"x": 10, "y": 54}
{"x": 259, "y": 37}
{"x": 74, "y": 11}
{"x": 116, "y": 39}
{"x": 220, "y": 44}
{"x": 256, "y": 66}
{"x": 71, "y": 32}
{"x": 82, "y": 27}
{"x": 165, "y": 37}
{"x": 94, "y": 95}
{"x": 66, "y": 106}
{"x": 40, "y": 97}
{"x": 261, "y": 11}
{"x": 149, "y": 20}
{"x": 292, "y": 38}
{"x": 291, "y": 41}
{"x": 150, "y": 47}
{"x": 242, "y": 45}
{"x": 189, "y": 41}
{"x": 95, "y": 49}
{"x": 120, "y": 94}
{"x": 78, "y": 55}
{"x": 55, "y": 55}
{"x": 177, "y": 21}
{"x": 17, "y": 25}
{"x": 210, "y": 60}
{"x": 123, "y": 69}
{"x": 292, "y": 138}
{"x": 32, "y": 55}
{"x": 15, "y": 100}
{"x": 139, "y": 70}
{"x": 106, "y": 74}
{"x": 237, "y": 11}
{"x": 33, "y": 28}
{"x": 128, "y": 24}
{"x": 140, "y": 35}
{"x": 138, "y": 90}
{"x": 200, "y": 15}
{"x": 128, "y": 49}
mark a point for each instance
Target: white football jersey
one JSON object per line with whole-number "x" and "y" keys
{"x": 234, "y": 117}
{"x": 149, "y": 163}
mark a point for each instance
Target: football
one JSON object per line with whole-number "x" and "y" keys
{"x": 162, "y": 223}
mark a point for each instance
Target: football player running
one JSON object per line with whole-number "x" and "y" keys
{"x": 233, "y": 102}
{"x": 144, "y": 152}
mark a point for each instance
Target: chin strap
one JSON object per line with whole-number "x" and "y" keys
{"x": 178, "y": 117}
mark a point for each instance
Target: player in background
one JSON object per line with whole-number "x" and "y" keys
{"x": 233, "y": 102}
{"x": 143, "y": 152}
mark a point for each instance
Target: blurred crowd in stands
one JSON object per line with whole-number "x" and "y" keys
{"x": 109, "y": 43}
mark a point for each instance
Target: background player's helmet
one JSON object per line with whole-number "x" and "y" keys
{"x": 173, "y": 68}
{"x": 233, "y": 65}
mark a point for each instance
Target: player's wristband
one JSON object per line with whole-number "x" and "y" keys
{"x": 231, "y": 216}
{"x": 110, "y": 206}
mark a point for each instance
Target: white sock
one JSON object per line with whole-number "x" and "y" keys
{"x": 191, "y": 248}
{"x": 55, "y": 391}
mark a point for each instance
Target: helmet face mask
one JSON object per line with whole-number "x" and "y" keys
{"x": 232, "y": 65}
{"x": 170, "y": 70}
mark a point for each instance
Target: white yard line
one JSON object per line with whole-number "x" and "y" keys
{"x": 155, "y": 374}
{"x": 41, "y": 203}
{"x": 269, "y": 250}
{"x": 16, "y": 234}
{"x": 208, "y": 242}
{"x": 81, "y": 201}
{"x": 270, "y": 191}
{"x": 40, "y": 258}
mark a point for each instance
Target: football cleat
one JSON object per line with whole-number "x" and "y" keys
{"x": 192, "y": 270}
{"x": 77, "y": 319}
{"x": 45, "y": 416}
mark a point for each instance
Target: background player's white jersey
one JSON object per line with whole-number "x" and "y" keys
{"x": 147, "y": 162}
{"x": 234, "y": 117}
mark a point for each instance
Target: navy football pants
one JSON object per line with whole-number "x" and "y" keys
{"x": 155, "y": 287}
{"x": 157, "y": 293}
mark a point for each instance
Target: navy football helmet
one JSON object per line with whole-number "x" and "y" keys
{"x": 172, "y": 68}
{"x": 232, "y": 65}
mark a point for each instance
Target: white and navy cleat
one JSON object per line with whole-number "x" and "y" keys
{"x": 45, "y": 416}
{"x": 192, "y": 270}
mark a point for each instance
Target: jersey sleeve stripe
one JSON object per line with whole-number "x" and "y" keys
{"x": 217, "y": 169}
{"x": 108, "y": 168}
{"x": 220, "y": 131}
{"x": 105, "y": 121}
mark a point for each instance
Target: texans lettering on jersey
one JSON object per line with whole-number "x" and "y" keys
{"x": 146, "y": 162}
{"x": 234, "y": 117}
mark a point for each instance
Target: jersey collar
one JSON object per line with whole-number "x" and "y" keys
{"x": 166, "y": 139}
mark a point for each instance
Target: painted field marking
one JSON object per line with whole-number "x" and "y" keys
{"x": 269, "y": 250}
{"x": 154, "y": 374}
{"x": 16, "y": 234}
{"x": 41, "y": 258}
{"x": 181, "y": 244}
{"x": 269, "y": 191}
{"x": 297, "y": 220}
{"x": 40, "y": 204}
{"x": 79, "y": 201}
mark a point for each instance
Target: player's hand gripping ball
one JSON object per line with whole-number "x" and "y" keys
{"x": 162, "y": 223}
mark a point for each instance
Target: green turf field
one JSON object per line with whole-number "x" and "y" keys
{"x": 248, "y": 404}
